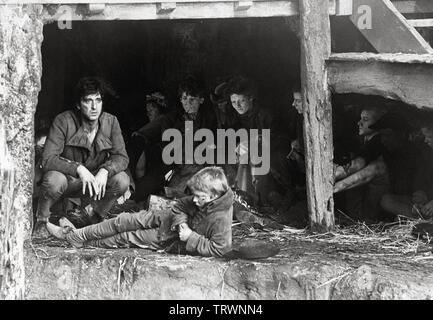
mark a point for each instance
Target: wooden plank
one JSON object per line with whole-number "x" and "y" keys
{"x": 315, "y": 37}
{"x": 407, "y": 78}
{"x": 386, "y": 28}
{"x": 66, "y": 2}
{"x": 405, "y": 58}
{"x": 344, "y": 7}
{"x": 260, "y": 4}
{"x": 413, "y": 6}
{"x": 421, "y": 23}
{"x": 148, "y": 11}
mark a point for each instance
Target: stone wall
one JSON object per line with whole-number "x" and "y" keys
{"x": 20, "y": 73}
{"x": 303, "y": 270}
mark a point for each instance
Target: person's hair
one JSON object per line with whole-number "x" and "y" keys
{"x": 158, "y": 101}
{"x": 92, "y": 85}
{"x": 210, "y": 180}
{"x": 241, "y": 85}
{"x": 379, "y": 112}
{"x": 190, "y": 86}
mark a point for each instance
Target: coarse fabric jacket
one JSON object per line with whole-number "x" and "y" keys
{"x": 152, "y": 132}
{"x": 67, "y": 146}
{"x": 212, "y": 225}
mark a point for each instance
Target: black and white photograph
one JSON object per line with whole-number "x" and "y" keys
{"x": 219, "y": 156}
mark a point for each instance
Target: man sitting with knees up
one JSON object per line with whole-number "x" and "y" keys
{"x": 84, "y": 156}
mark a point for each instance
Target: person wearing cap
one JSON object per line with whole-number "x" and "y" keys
{"x": 405, "y": 162}
{"x": 364, "y": 180}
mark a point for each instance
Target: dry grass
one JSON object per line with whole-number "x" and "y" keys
{"x": 384, "y": 239}
{"x": 380, "y": 239}
{"x": 392, "y": 237}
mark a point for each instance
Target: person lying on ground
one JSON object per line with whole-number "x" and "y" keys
{"x": 84, "y": 156}
{"x": 197, "y": 224}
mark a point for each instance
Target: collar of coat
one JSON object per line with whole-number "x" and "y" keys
{"x": 80, "y": 139}
{"x": 222, "y": 203}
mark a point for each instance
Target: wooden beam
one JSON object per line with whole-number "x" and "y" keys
{"x": 112, "y": 1}
{"x": 243, "y": 5}
{"x": 286, "y": 7}
{"x": 315, "y": 37}
{"x": 344, "y": 7}
{"x": 421, "y": 23}
{"x": 96, "y": 8}
{"x": 386, "y": 28}
{"x": 404, "y": 77}
{"x": 165, "y": 7}
{"x": 413, "y": 6}
{"x": 183, "y": 10}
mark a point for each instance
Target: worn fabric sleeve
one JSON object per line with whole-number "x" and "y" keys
{"x": 151, "y": 132}
{"x": 54, "y": 145}
{"x": 118, "y": 160}
{"x": 181, "y": 210}
{"x": 218, "y": 242}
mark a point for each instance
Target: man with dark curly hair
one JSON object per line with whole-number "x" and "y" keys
{"x": 84, "y": 156}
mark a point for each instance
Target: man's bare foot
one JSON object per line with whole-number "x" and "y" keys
{"x": 58, "y": 232}
{"x": 65, "y": 223}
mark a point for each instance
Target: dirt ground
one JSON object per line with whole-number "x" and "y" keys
{"x": 351, "y": 263}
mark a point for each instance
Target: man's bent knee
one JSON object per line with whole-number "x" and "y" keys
{"x": 54, "y": 182}
{"x": 118, "y": 184}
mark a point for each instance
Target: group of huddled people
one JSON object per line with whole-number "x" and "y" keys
{"x": 84, "y": 156}
{"x": 391, "y": 173}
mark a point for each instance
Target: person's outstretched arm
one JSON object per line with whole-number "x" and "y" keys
{"x": 361, "y": 177}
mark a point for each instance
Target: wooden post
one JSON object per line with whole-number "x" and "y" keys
{"x": 11, "y": 249}
{"x": 315, "y": 49}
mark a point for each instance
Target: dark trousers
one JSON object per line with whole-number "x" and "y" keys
{"x": 151, "y": 183}
{"x": 56, "y": 185}
{"x": 364, "y": 202}
{"x": 135, "y": 148}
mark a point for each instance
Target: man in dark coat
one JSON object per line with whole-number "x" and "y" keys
{"x": 84, "y": 156}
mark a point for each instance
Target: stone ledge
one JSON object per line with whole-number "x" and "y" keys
{"x": 302, "y": 270}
